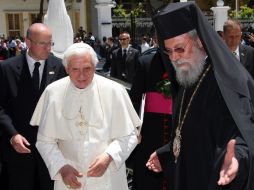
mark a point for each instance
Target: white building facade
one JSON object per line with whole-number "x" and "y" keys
{"x": 93, "y": 15}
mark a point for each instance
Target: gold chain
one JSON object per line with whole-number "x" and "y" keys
{"x": 63, "y": 100}
{"x": 178, "y": 137}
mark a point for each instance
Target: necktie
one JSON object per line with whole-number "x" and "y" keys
{"x": 124, "y": 64}
{"x": 124, "y": 55}
{"x": 36, "y": 76}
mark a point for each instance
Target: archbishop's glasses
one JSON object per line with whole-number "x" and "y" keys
{"x": 179, "y": 49}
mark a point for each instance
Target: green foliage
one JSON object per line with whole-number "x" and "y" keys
{"x": 119, "y": 11}
{"x": 163, "y": 87}
{"x": 244, "y": 13}
{"x": 138, "y": 10}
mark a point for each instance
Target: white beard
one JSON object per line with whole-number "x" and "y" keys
{"x": 190, "y": 77}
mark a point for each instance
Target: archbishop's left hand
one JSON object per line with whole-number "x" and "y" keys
{"x": 99, "y": 165}
{"x": 230, "y": 165}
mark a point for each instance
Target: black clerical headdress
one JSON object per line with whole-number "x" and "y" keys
{"x": 177, "y": 16}
{"x": 235, "y": 83}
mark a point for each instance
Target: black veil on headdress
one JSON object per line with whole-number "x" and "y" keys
{"x": 235, "y": 83}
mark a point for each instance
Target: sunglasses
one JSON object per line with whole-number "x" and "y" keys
{"x": 123, "y": 39}
{"x": 169, "y": 52}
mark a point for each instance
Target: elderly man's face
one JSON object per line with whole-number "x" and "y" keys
{"x": 124, "y": 40}
{"x": 81, "y": 70}
{"x": 186, "y": 56}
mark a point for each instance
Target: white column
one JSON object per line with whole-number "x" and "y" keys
{"x": 83, "y": 15}
{"x": 25, "y": 22}
{"x": 3, "y": 29}
{"x": 104, "y": 17}
{"x": 220, "y": 16}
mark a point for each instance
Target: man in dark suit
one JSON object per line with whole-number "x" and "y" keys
{"x": 124, "y": 59}
{"x": 111, "y": 46}
{"x": 22, "y": 80}
{"x": 232, "y": 35}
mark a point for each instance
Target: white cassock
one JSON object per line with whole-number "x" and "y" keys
{"x": 76, "y": 125}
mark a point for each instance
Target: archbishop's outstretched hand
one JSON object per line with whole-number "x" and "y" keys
{"x": 230, "y": 166}
{"x": 153, "y": 163}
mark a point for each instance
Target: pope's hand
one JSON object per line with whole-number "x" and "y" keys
{"x": 230, "y": 165}
{"x": 19, "y": 143}
{"x": 153, "y": 163}
{"x": 70, "y": 176}
{"x": 99, "y": 165}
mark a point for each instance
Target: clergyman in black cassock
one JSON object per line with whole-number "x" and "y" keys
{"x": 213, "y": 125}
{"x": 157, "y": 118}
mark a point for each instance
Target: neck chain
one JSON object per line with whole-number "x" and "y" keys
{"x": 178, "y": 136}
{"x": 79, "y": 118}
{"x": 80, "y": 111}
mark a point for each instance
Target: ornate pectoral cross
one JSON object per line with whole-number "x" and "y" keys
{"x": 177, "y": 144}
{"x": 81, "y": 123}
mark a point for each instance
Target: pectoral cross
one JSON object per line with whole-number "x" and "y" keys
{"x": 82, "y": 124}
{"x": 177, "y": 144}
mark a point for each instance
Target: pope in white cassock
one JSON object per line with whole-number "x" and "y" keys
{"x": 87, "y": 126}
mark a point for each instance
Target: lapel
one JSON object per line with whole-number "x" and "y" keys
{"x": 23, "y": 75}
{"x": 119, "y": 54}
{"x": 49, "y": 70}
{"x": 22, "y": 72}
{"x": 242, "y": 54}
{"x": 128, "y": 54}
{"x": 22, "y": 63}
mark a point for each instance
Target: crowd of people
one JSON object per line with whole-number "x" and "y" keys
{"x": 11, "y": 47}
{"x": 185, "y": 124}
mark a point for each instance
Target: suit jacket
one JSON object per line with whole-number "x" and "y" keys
{"x": 18, "y": 97}
{"x": 247, "y": 58}
{"x": 109, "y": 56}
{"x": 124, "y": 71}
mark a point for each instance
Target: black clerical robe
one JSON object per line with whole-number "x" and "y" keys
{"x": 157, "y": 120}
{"x": 234, "y": 83}
{"x": 207, "y": 129}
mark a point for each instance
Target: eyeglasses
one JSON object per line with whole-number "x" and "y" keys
{"x": 43, "y": 44}
{"x": 169, "y": 52}
{"x": 123, "y": 39}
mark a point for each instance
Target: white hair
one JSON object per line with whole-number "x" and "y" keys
{"x": 79, "y": 49}
{"x": 196, "y": 64}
